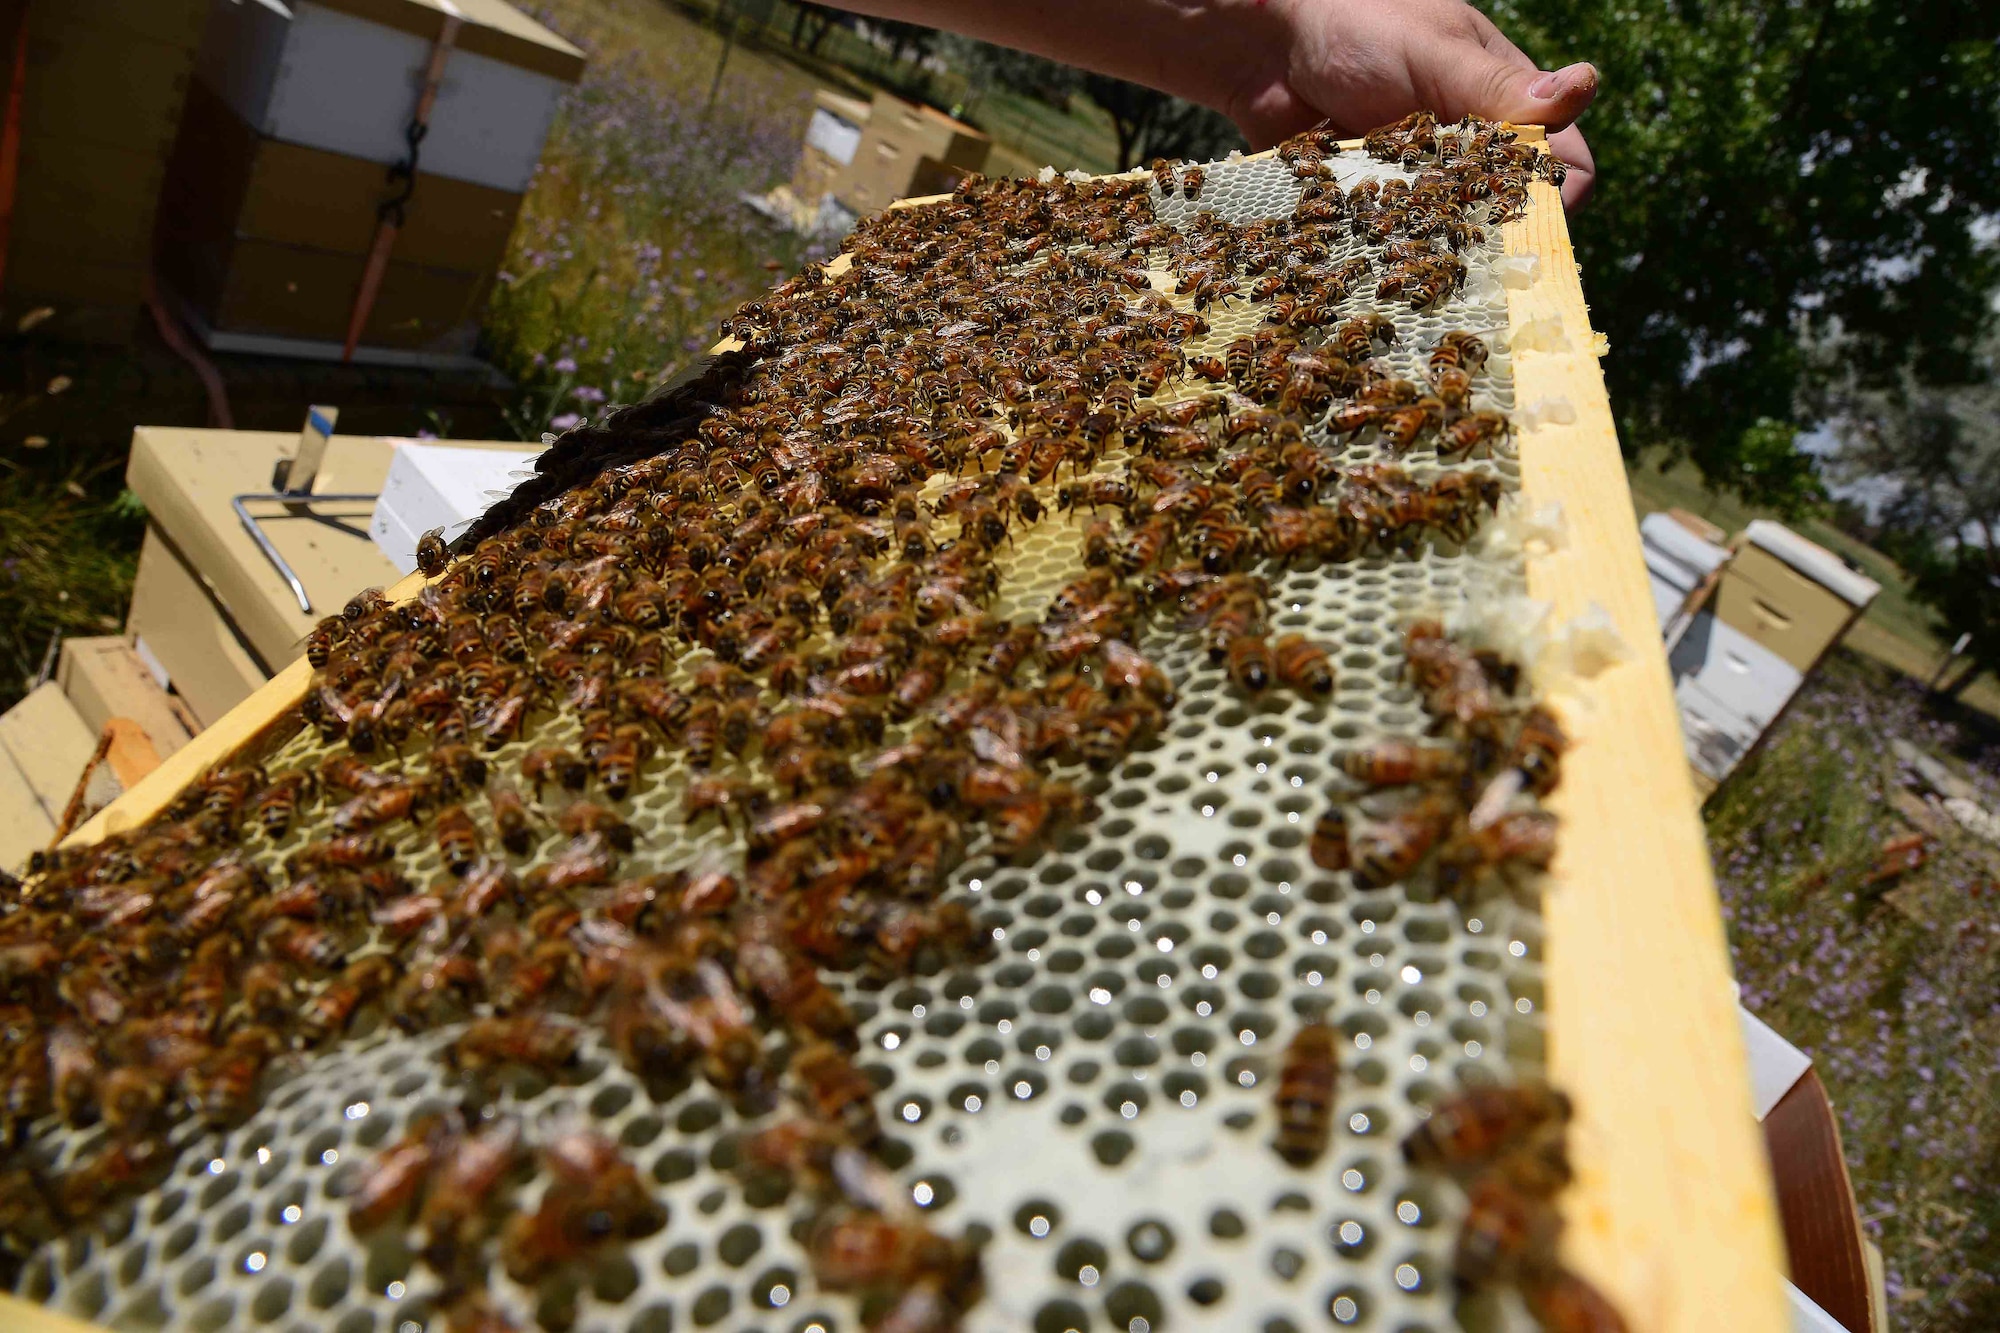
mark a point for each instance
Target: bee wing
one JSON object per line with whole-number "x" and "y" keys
{"x": 1495, "y": 799}
{"x": 995, "y": 749}
{"x": 335, "y": 705}
{"x": 867, "y": 1184}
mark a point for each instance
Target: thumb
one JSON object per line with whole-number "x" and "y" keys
{"x": 1513, "y": 90}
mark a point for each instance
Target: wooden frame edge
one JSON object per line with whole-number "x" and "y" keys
{"x": 1673, "y": 1212}
{"x": 239, "y": 727}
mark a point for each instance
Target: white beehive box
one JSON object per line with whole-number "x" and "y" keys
{"x": 327, "y": 77}
{"x": 439, "y": 486}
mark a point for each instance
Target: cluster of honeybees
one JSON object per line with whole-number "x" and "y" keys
{"x": 774, "y": 588}
{"x": 1507, "y": 1146}
{"x": 1465, "y": 798}
{"x": 453, "y": 1179}
{"x": 1464, "y": 802}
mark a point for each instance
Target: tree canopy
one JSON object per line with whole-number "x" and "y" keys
{"x": 1924, "y": 462}
{"x": 1773, "y": 171}
{"x": 1148, "y": 123}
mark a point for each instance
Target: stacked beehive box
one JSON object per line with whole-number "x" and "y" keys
{"x": 101, "y": 94}
{"x": 275, "y": 193}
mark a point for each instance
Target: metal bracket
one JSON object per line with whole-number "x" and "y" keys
{"x": 295, "y": 503}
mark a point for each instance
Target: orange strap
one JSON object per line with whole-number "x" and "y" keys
{"x": 385, "y": 231}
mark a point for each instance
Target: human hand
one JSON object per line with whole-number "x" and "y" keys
{"x": 1363, "y": 63}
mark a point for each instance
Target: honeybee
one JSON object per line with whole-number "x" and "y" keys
{"x": 456, "y": 765}
{"x": 1191, "y": 182}
{"x": 122, "y": 1166}
{"x": 1250, "y": 663}
{"x": 1302, "y": 665}
{"x": 1401, "y": 426}
{"x": 363, "y": 604}
{"x": 1126, "y": 669}
{"x": 805, "y": 1151}
{"x": 269, "y": 994}
{"x": 349, "y": 852}
{"x": 1525, "y": 837}
{"x": 510, "y": 819}
{"x": 432, "y": 554}
{"x": 1357, "y": 337}
{"x": 652, "y": 700}
{"x": 458, "y": 1212}
{"x": 322, "y": 639}
{"x": 390, "y": 1183}
{"x": 1483, "y": 1121}
{"x": 224, "y": 1085}
{"x": 836, "y": 1092}
{"x": 616, "y": 763}
{"x": 702, "y": 1006}
{"x": 791, "y": 986}
{"x": 582, "y": 817}
{"x": 304, "y": 944}
{"x": 1387, "y": 850}
{"x": 864, "y": 1249}
{"x": 586, "y": 862}
{"x": 554, "y": 764}
{"x": 1306, "y": 1080}
{"x": 1563, "y": 1302}
{"x": 1461, "y": 437}
{"x": 528, "y": 1040}
{"x": 1397, "y": 763}
{"x": 457, "y": 839}
{"x": 1009, "y": 651}
{"x": 439, "y": 990}
{"x": 1457, "y": 350}
{"x": 917, "y": 685}
{"x": 1020, "y": 823}
{"x": 595, "y": 1198}
{"x": 277, "y": 805}
{"x": 1093, "y": 492}
{"x": 329, "y": 1012}
{"x": 1505, "y": 1225}
{"x": 1453, "y": 388}
{"x": 1454, "y": 684}
{"x": 372, "y": 809}
{"x": 1107, "y": 735}
{"x": 131, "y": 1099}
{"x": 1538, "y": 748}
{"x": 1163, "y": 176}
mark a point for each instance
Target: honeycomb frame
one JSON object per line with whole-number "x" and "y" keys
{"x": 1602, "y": 1232}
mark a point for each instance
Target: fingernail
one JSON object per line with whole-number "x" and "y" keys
{"x": 1549, "y": 85}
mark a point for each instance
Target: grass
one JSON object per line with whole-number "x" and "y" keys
{"x": 68, "y": 550}
{"x": 633, "y": 242}
{"x": 1893, "y": 990}
{"x": 1897, "y": 630}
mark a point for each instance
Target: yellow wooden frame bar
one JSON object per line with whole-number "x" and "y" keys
{"x": 1672, "y": 1213}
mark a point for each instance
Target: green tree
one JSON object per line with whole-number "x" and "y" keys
{"x": 1152, "y": 124}
{"x": 811, "y": 24}
{"x": 1147, "y": 123}
{"x": 1928, "y": 460}
{"x": 1770, "y": 168}
{"x": 987, "y": 67}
